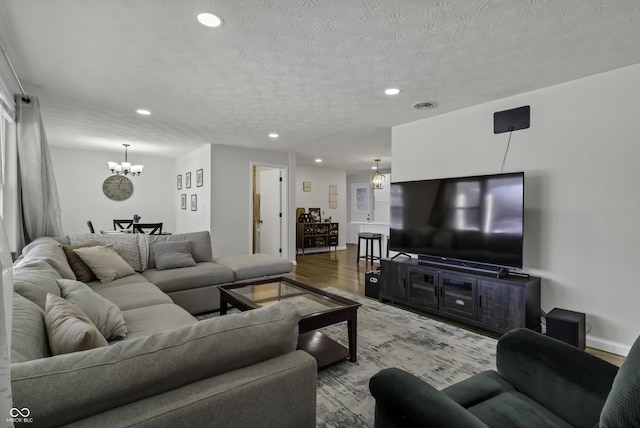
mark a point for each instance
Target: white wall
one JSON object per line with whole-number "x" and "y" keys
{"x": 580, "y": 158}
{"x": 318, "y": 197}
{"x": 231, "y": 203}
{"x": 187, "y": 220}
{"x": 79, "y": 176}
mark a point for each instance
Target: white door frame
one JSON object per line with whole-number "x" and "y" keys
{"x": 284, "y": 205}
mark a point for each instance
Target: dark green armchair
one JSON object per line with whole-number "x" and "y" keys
{"x": 539, "y": 382}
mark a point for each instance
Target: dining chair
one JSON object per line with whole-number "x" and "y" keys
{"x": 122, "y": 224}
{"x": 91, "y": 229}
{"x": 148, "y": 228}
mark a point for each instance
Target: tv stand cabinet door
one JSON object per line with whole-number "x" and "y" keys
{"x": 501, "y": 305}
{"x": 457, "y": 295}
{"x": 423, "y": 287}
{"x": 393, "y": 281}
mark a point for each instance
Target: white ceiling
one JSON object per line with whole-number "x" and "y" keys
{"x": 312, "y": 70}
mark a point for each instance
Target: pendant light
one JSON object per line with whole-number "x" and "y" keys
{"x": 377, "y": 178}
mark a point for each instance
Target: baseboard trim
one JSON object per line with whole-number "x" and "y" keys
{"x": 608, "y": 346}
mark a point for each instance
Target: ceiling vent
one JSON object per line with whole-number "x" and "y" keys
{"x": 425, "y": 106}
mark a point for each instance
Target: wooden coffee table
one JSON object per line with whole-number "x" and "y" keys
{"x": 318, "y": 307}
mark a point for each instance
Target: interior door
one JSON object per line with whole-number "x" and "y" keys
{"x": 270, "y": 222}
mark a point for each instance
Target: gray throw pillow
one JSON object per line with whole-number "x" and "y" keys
{"x": 105, "y": 263}
{"x": 174, "y": 254}
{"x": 106, "y": 316}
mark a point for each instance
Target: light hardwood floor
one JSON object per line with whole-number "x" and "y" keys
{"x": 338, "y": 269}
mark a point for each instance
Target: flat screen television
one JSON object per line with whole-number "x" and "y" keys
{"x": 476, "y": 222}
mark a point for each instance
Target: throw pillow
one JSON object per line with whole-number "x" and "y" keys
{"x": 105, "y": 263}
{"x": 68, "y": 328}
{"x": 34, "y": 279}
{"x": 106, "y": 316}
{"x": 171, "y": 255}
{"x": 80, "y": 269}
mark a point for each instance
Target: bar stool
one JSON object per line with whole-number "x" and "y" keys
{"x": 369, "y": 238}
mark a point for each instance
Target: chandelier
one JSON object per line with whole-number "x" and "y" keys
{"x": 377, "y": 178}
{"x": 125, "y": 167}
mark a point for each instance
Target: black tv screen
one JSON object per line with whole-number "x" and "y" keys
{"x": 469, "y": 219}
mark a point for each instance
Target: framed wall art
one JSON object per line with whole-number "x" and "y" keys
{"x": 183, "y": 201}
{"x": 199, "y": 178}
{"x": 179, "y": 181}
{"x": 315, "y": 214}
{"x": 187, "y": 179}
{"x": 194, "y": 202}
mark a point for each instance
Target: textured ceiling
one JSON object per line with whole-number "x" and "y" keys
{"x": 312, "y": 70}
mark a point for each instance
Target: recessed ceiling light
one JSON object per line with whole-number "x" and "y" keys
{"x": 392, "y": 91}
{"x": 374, "y": 167}
{"x": 210, "y": 20}
{"x": 143, "y": 112}
{"x": 318, "y": 160}
{"x": 273, "y": 135}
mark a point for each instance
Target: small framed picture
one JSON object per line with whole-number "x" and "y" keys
{"x": 199, "y": 178}
{"x": 194, "y": 202}
{"x": 187, "y": 178}
{"x": 179, "y": 181}
{"x": 315, "y": 214}
{"x": 183, "y": 201}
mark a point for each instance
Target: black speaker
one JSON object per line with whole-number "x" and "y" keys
{"x": 511, "y": 120}
{"x": 567, "y": 326}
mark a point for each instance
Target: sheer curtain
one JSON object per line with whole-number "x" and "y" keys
{"x": 38, "y": 196}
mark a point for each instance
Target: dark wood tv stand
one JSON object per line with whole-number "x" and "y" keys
{"x": 475, "y": 298}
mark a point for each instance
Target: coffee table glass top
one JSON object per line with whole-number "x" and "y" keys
{"x": 268, "y": 293}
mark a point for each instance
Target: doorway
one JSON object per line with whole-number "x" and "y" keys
{"x": 269, "y": 201}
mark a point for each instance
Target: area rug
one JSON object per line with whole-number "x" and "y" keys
{"x": 439, "y": 353}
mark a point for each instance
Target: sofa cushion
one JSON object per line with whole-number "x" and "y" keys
{"x": 34, "y": 279}
{"x": 200, "y": 245}
{"x": 130, "y": 279}
{"x": 131, "y": 296}
{"x": 515, "y": 410}
{"x": 172, "y": 255}
{"x": 153, "y": 319}
{"x": 200, "y": 275}
{"x": 135, "y": 369}
{"x": 479, "y": 387}
{"x": 255, "y": 265}
{"x": 82, "y": 272}
{"x": 133, "y": 248}
{"x": 105, "y": 263}
{"x": 68, "y": 328}
{"x": 105, "y": 315}
{"x": 49, "y": 251}
{"x": 28, "y": 337}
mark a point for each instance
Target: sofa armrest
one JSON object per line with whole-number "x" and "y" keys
{"x": 69, "y": 387}
{"x": 568, "y": 381}
{"x": 403, "y": 400}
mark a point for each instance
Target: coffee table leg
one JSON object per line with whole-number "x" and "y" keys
{"x": 223, "y": 305}
{"x": 352, "y": 328}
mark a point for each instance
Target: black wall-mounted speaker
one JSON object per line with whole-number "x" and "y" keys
{"x": 511, "y": 120}
{"x": 567, "y": 326}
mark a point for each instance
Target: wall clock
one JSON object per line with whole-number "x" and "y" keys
{"x": 117, "y": 188}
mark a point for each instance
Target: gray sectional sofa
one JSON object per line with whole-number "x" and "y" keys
{"x": 237, "y": 370}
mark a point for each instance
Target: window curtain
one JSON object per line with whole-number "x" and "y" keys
{"x": 6, "y": 302}
{"x": 38, "y": 204}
